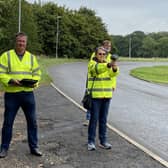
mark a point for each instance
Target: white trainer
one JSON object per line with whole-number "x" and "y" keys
{"x": 91, "y": 147}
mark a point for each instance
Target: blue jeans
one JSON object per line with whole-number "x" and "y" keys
{"x": 88, "y": 115}
{"x": 99, "y": 113}
{"x": 13, "y": 101}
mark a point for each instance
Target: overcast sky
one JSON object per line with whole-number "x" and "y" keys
{"x": 123, "y": 17}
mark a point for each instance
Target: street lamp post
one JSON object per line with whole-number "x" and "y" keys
{"x": 40, "y": 3}
{"x": 56, "y": 52}
{"x": 130, "y": 47}
{"x": 19, "y": 21}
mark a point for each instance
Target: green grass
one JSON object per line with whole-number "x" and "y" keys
{"x": 45, "y": 62}
{"x": 157, "y": 74}
{"x": 154, "y": 59}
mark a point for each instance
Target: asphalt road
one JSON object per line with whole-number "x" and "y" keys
{"x": 63, "y": 139}
{"x": 138, "y": 108}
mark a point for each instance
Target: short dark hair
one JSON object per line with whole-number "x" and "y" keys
{"x": 20, "y": 34}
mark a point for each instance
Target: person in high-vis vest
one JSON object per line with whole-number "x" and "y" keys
{"x": 100, "y": 73}
{"x": 107, "y": 47}
{"x": 15, "y": 65}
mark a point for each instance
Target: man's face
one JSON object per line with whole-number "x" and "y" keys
{"x": 107, "y": 46}
{"x": 21, "y": 42}
{"x": 101, "y": 55}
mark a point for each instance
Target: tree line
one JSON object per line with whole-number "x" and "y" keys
{"x": 80, "y": 32}
{"x": 142, "y": 45}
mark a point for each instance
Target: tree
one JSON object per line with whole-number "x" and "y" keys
{"x": 80, "y": 32}
{"x": 122, "y": 45}
{"x": 149, "y": 46}
{"x": 163, "y": 47}
{"x": 9, "y": 24}
{"x": 136, "y": 39}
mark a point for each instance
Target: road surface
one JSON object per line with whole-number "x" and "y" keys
{"x": 138, "y": 108}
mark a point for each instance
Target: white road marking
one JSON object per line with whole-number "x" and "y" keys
{"x": 144, "y": 149}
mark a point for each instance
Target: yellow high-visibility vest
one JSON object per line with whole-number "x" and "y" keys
{"x": 108, "y": 60}
{"x": 101, "y": 77}
{"x": 11, "y": 67}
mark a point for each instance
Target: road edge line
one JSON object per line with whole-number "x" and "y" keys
{"x": 141, "y": 147}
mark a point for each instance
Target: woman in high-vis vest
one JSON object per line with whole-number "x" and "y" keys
{"x": 107, "y": 47}
{"x": 100, "y": 74}
{"x": 15, "y": 65}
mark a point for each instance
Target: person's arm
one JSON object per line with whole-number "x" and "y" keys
{"x": 36, "y": 72}
{"x": 4, "y": 77}
{"x": 96, "y": 68}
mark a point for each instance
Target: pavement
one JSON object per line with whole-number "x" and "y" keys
{"x": 63, "y": 140}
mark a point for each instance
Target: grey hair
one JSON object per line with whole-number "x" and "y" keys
{"x": 100, "y": 48}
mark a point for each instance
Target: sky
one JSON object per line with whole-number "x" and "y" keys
{"x": 123, "y": 17}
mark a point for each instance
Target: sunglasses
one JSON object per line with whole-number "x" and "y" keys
{"x": 101, "y": 53}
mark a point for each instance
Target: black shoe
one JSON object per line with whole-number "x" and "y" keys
{"x": 36, "y": 152}
{"x": 3, "y": 153}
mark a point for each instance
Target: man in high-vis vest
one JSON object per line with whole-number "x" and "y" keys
{"x": 19, "y": 74}
{"x": 100, "y": 73}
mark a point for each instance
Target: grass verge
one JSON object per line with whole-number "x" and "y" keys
{"x": 157, "y": 74}
{"x": 45, "y": 62}
{"x": 154, "y": 59}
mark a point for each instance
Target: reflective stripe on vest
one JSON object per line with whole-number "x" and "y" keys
{"x": 101, "y": 90}
{"x": 9, "y": 62}
{"x": 9, "y": 65}
{"x": 99, "y": 79}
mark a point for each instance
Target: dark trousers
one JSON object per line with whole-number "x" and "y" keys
{"x": 99, "y": 113}
{"x": 13, "y": 101}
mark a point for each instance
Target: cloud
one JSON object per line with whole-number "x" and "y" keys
{"x": 125, "y": 16}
